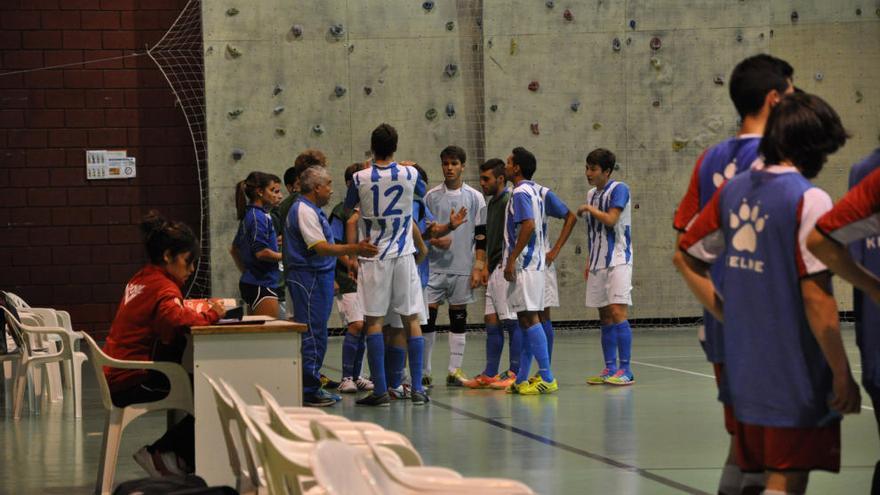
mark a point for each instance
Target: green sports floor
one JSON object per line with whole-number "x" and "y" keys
{"x": 662, "y": 435}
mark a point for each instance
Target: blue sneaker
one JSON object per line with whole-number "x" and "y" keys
{"x": 324, "y": 393}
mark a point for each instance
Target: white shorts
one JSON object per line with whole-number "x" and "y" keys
{"x": 393, "y": 319}
{"x": 496, "y": 296}
{"x": 551, "y": 290}
{"x": 390, "y": 285}
{"x": 527, "y": 292}
{"x": 350, "y": 308}
{"x": 449, "y": 287}
{"x": 609, "y": 286}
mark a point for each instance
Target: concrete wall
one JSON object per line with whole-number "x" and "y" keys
{"x": 657, "y": 109}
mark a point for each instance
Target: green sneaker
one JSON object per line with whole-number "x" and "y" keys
{"x": 601, "y": 378}
{"x": 621, "y": 378}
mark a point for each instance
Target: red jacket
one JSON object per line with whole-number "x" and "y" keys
{"x": 151, "y": 311}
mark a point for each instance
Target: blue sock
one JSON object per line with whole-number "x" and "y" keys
{"x": 609, "y": 347}
{"x": 525, "y": 357}
{"x": 538, "y": 344}
{"x": 494, "y": 346}
{"x": 548, "y": 332}
{"x": 395, "y": 361}
{"x": 349, "y": 353}
{"x": 515, "y": 337}
{"x": 359, "y": 356}
{"x": 624, "y": 344}
{"x": 376, "y": 358}
{"x": 415, "y": 346}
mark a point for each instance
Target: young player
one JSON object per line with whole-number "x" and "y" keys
{"x": 853, "y": 222}
{"x": 310, "y": 253}
{"x": 255, "y": 247}
{"x": 780, "y": 318}
{"x": 756, "y": 86}
{"x": 456, "y": 260}
{"x": 609, "y": 268}
{"x": 347, "y": 301}
{"x": 389, "y": 279}
{"x": 524, "y": 265}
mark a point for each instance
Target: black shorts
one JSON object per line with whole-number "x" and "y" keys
{"x": 253, "y": 295}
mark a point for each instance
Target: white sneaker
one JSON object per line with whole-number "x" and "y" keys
{"x": 364, "y": 384}
{"x": 348, "y": 386}
{"x": 159, "y": 465}
{"x": 401, "y": 392}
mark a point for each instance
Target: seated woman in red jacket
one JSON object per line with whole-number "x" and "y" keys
{"x": 150, "y": 325}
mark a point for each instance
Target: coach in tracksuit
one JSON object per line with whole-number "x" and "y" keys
{"x": 310, "y": 262}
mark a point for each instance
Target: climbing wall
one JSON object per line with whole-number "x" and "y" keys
{"x": 644, "y": 78}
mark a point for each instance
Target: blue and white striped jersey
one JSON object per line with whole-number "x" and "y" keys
{"x": 610, "y": 246}
{"x": 525, "y": 204}
{"x": 553, "y": 207}
{"x": 385, "y": 195}
{"x": 459, "y": 258}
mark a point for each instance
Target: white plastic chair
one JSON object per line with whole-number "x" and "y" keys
{"x": 340, "y": 470}
{"x": 53, "y": 372}
{"x": 287, "y": 463}
{"x": 53, "y": 317}
{"x": 33, "y": 356}
{"x": 179, "y": 398}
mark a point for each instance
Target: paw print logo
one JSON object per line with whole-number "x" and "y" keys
{"x": 726, "y": 174}
{"x": 749, "y": 223}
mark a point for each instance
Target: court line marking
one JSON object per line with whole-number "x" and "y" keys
{"x": 642, "y": 363}
{"x": 574, "y": 450}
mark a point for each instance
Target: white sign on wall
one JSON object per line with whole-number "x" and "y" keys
{"x": 104, "y": 164}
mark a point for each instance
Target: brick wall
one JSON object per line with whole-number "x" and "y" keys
{"x": 66, "y": 242}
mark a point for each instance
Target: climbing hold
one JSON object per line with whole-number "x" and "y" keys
{"x": 231, "y": 11}
{"x": 337, "y": 31}
{"x": 761, "y": 35}
{"x": 493, "y": 107}
{"x": 575, "y": 106}
{"x": 351, "y": 48}
{"x": 451, "y": 70}
{"x": 550, "y": 4}
{"x": 490, "y": 43}
{"x": 381, "y": 80}
{"x": 678, "y": 144}
{"x": 739, "y": 37}
{"x": 277, "y": 90}
{"x": 280, "y": 131}
{"x": 819, "y": 76}
{"x": 771, "y": 33}
{"x": 232, "y": 51}
{"x": 450, "y": 110}
{"x": 534, "y": 85}
{"x": 655, "y": 103}
{"x": 450, "y": 25}
{"x": 656, "y": 63}
{"x": 615, "y": 44}
{"x": 233, "y": 114}
{"x": 629, "y": 41}
{"x": 577, "y": 249}
{"x": 237, "y": 154}
{"x": 656, "y": 43}
{"x": 596, "y": 126}
{"x": 567, "y": 15}
{"x": 368, "y": 90}
{"x": 512, "y": 46}
{"x": 859, "y": 96}
{"x": 296, "y": 31}
{"x": 877, "y": 11}
{"x": 632, "y": 23}
{"x": 858, "y": 11}
{"x": 428, "y": 5}
{"x": 534, "y": 128}
{"x": 479, "y": 21}
{"x": 431, "y": 114}
{"x": 277, "y": 110}
{"x": 719, "y": 80}
{"x": 339, "y": 91}
{"x": 616, "y": 166}
{"x": 794, "y": 16}
{"x": 318, "y": 129}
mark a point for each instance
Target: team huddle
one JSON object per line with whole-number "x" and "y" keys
{"x": 751, "y": 248}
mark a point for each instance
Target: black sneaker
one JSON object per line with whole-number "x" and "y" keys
{"x": 375, "y": 400}
{"x": 419, "y": 397}
{"x": 326, "y": 382}
{"x": 427, "y": 382}
{"x": 315, "y": 400}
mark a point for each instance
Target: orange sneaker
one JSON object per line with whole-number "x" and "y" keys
{"x": 480, "y": 381}
{"x": 505, "y": 380}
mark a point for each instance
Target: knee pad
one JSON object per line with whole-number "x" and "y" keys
{"x": 457, "y": 320}
{"x": 431, "y": 327}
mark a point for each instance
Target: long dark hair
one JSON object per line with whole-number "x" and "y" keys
{"x": 246, "y": 190}
{"x": 161, "y": 235}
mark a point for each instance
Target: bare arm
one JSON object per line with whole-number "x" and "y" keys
{"x": 421, "y": 248}
{"x": 526, "y": 229}
{"x": 608, "y": 218}
{"x": 821, "y": 310}
{"x": 696, "y": 275}
{"x": 839, "y": 261}
{"x": 267, "y": 254}
{"x": 363, "y": 248}
{"x": 567, "y": 227}
{"x": 456, "y": 218}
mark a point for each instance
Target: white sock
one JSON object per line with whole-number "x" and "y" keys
{"x": 429, "y": 346}
{"x": 456, "y": 350}
{"x": 731, "y": 480}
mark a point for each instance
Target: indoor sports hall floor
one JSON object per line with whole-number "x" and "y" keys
{"x": 662, "y": 435}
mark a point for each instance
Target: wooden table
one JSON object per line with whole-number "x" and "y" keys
{"x": 267, "y": 354}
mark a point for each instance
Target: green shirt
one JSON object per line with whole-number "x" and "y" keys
{"x": 495, "y": 227}
{"x": 346, "y": 284}
{"x": 279, "y": 219}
